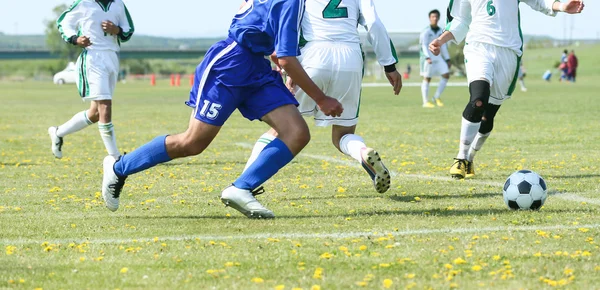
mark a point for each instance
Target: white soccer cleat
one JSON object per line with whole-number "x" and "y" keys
{"x": 371, "y": 162}
{"x": 243, "y": 200}
{"x": 57, "y": 142}
{"x": 111, "y": 184}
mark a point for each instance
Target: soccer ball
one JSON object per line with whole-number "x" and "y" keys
{"x": 525, "y": 189}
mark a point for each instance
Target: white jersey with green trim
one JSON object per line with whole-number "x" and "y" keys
{"x": 495, "y": 22}
{"x": 427, "y": 36}
{"x": 337, "y": 21}
{"x": 85, "y": 17}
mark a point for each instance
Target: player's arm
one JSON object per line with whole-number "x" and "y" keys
{"x": 457, "y": 28}
{"x": 285, "y": 21}
{"x": 68, "y": 24}
{"x": 425, "y": 46}
{"x": 126, "y": 27}
{"x": 445, "y": 53}
{"x": 381, "y": 42}
{"x": 551, "y": 7}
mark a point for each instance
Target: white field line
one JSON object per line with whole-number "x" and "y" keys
{"x": 339, "y": 235}
{"x": 562, "y": 195}
{"x": 380, "y": 85}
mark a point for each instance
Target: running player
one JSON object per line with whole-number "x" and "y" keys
{"x": 98, "y": 27}
{"x": 493, "y": 50}
{"x": 235, "y": 75}
{"x": 433, "y": 65}
{"x": 333, "y": 58}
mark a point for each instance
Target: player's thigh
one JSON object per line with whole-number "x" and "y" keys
{"x": 441, "y": 68}
{"x": 478, "y": 63}
{"x": 98, "y": 78}
{"x": 270, "y": 95}
{"x": 321, "y": 77}
{"x": 346, "y": 88}
{"x": 506, "y": 74}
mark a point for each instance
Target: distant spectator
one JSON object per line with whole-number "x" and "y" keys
{"x": 563, "y": 65}
{"x": 572, "y": 64}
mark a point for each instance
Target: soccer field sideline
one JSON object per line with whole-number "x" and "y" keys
{"x": 381, "y": 85}
{"x": 574, "y": 197}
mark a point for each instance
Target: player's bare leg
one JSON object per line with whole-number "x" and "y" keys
{"x": 77, "y": 123}
{"x": 347, "y": 142}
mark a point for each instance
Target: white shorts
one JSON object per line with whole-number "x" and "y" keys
{"x": 435, "y": 69}
{"x": 98, "y": 73}
{"x": 498, "y": 65}
{"x": 336, "y": 68}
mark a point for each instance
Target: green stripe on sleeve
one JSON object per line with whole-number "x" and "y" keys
{"x": 62, "y": 17}
{"x": 127, "y": 34}
{"x": 394, "y": 53}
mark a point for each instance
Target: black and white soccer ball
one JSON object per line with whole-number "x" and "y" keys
{"x": 525, "y": 189}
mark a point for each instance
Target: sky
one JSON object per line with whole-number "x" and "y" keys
{"x": 207, "y": 18}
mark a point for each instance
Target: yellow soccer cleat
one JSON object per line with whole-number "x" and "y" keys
{"x": 428, "y": 105}
{"x": 458, "y": 169}
{"x": 470, "y": 169}
{"x": 439, "y": 103}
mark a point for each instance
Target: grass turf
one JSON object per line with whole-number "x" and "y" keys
{"x": 332, "y": 230}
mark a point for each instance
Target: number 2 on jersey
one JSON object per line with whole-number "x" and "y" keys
{"x": 333, "y": 10}
{"x": 491, "y": 9}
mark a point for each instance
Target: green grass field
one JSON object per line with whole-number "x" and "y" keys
{"x": 332, "y": 230}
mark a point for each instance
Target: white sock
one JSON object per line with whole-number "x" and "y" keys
{"x": 79, "y": 122}
{"x": 260, "y": 144}
{"x": 107, "y": 132}
{"x": 468, "y": 131}
{"x": 425, "y": 91}
{"x": 352, "y": 145}
{"x": 522, "y": 82}
{"x": 441, "y": 88}
{"x": 476, "y": 145}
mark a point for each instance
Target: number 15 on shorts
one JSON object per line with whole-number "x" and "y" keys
{"x": 210, "y": 110}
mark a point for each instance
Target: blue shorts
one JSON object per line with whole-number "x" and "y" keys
{"x": 232, "y": 77}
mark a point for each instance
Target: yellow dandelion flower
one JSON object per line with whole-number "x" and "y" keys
{"x": 459, "y": 261}
{"x": 387, "y": 283}
{"x": 362, "y": 248}
{"x": 257, "y": 280}
{"x": 315, "y": 287}
{"x": 448, "y": 266}
{"x": 82, "y": 259}
{"x": 326, "y": 255}
{"x": 361, "y": 283}
{"x": 341, "y": 189}
{"x": 568, "y": 271}
{"x": 409, "y": 276}
{"x": 318, "y": 274}
{"x": 279, "y": 287}
{"x": 453, "y": 285}
{"x": 124, "y": 270}
{"x": 584, "y": 230}
{"x": 496, "y": 257}
{"x": 476, "y": 268}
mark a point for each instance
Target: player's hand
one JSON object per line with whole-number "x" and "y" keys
{"x": 429, "y": 61}
{"x": 83, "y": 41}
{"x": 289, "y": 83}
{"x": 395, "y": 80}
{"x": 435, "y": 46}
{"x": 110, "y": 28}
{"x": 573, "y": 6}
{"x": 330, "y": 107}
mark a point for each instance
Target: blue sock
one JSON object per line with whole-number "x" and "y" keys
{"x": 147, "y": 156}
{"x": 272, "y": 158}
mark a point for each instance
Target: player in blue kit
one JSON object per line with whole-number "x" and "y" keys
{"x": 236, "y": 75}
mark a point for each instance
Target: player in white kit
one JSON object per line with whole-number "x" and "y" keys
{"x": 99, "y": 27}
{"x": 333, "y": 58}
{"x": 493, "y": 50}
{"x": 433, "y": 65}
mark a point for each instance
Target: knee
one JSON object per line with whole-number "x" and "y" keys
{"x": 299, "y": 135}
{"x": 487, "y": 125}
{"x": 93, "y": 116}
{"x": 188, "y": 146}
{"x": 480, "y": 96}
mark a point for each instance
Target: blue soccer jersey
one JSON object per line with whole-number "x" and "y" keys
{"x": 267, "y": 26}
